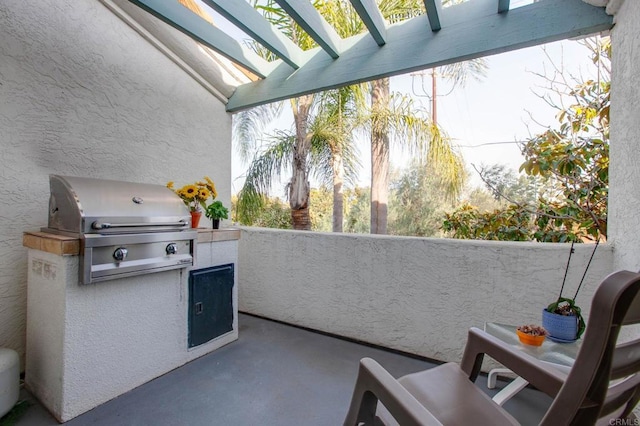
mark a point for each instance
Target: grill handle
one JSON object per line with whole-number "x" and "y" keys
{"x": 104, "y": 225}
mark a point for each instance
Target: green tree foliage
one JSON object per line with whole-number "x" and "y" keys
{"x": 267, "y": 166}
{"x": 417, "y": 203}
{"x": 505, "y": 185}
{"x": 509, "y": 224}
{"x": 274, "y": 213}
{"x": 482, "y": 199}
{"x": 573, "y": 157}
{"x": 355, "y": 213}
{"x": 321, "y": 210}
{"x": 357, "y": 205}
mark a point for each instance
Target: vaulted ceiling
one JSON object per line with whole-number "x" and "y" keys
{"x": 441, "y": 36}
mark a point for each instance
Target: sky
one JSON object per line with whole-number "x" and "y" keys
{"x": 484, "y": 118}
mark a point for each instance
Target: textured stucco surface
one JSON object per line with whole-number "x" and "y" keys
{"x": 81, "y": 93}
{"x": 624, "y": 172}
{"x": 418, "y": 295}
{"x": 89, "y": 344}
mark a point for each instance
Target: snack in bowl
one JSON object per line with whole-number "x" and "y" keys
{"x": 531, "y": 334}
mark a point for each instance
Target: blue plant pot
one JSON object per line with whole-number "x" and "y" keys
{"x": 561, "y": 327}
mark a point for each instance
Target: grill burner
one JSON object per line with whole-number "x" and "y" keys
{"x": 125, "y": 228}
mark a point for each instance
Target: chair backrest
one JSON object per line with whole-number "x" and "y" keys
{"x": 604, "y": 381}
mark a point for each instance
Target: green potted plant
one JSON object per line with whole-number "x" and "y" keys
{"x": 216, "y": 211}
{"x": 563, "y": 318}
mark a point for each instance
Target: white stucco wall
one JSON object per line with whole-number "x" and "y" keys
{"x": 624, "y": 172}
{"x": 82, "y": 93}
{"x": 418, "y": 295}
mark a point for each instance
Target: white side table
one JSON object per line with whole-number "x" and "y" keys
{"x": 559, "y": 355}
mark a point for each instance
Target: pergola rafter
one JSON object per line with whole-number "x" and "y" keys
{"x": 313, "y": 24}
{"x": 181, "y": 18}
{"x": 372, "y": 19}
{"x": 433, "y": 13}
{"x": 248, "y": 19}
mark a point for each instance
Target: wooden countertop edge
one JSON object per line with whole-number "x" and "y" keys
{"x": 70, "y": 246}
{"x": 51, "y": 243}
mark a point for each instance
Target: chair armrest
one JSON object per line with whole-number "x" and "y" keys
{"x": 375, "y": 383}
{"x": 543, "y": 377}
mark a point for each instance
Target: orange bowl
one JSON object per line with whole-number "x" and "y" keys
{"x": 528, "y": 339}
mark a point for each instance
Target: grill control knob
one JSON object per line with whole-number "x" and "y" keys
{"x": 120, "y": 254}
{"x": 172, "y": 248}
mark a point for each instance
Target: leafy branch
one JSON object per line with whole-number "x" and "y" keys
{"x": 572, "y": 158}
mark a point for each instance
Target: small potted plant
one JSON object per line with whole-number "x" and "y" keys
{"x": 531, "y": 334}
{"x": 194, "y": 196}
{"x": 216, "y": 211}
{"x": 563, "y": 318}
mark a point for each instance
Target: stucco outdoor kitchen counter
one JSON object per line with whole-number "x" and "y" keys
{"x": 72, "y": 329}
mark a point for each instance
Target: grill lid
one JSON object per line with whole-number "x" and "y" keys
{"x": 79, "y": 205}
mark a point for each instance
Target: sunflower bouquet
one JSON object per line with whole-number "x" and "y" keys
{"x": 196, "y": 194}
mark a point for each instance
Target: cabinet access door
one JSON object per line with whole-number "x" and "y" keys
{"x": 210, "y": 303}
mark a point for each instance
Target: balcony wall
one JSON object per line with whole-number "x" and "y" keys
{"x": 418, "y": 295}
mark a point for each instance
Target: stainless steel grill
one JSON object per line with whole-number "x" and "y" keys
{"x": 125, "y": 228}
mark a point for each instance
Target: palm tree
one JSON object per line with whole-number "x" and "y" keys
{"x": 298, "y": 186}
{"x": 264, "y": 168}
{"x": 249, "y": 125}
{"x": 379, "y": 156}
{"x": 330, "y": 126}
{"x": 384, "y": 117}
{"x": 326, "y": 145}
{"x": 333, "y": 127}
{"x": 384, "y": 123}
{"x": 395, "y": 118}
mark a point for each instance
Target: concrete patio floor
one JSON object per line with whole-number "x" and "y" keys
{"x": 273, "y": 375}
